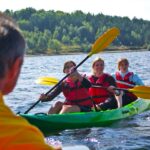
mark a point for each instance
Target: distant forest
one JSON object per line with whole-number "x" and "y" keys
{"x": 57, "y": 32}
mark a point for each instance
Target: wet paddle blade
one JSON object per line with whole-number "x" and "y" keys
{"x": 47, "y": 81}
{"x": 141, "y": 91}
{"x": 104, "y": 41}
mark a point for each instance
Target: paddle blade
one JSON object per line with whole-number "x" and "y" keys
{"x": 47, "y": 81}
{"x": 103, "y": 41}
{"x": 141, "y": 91}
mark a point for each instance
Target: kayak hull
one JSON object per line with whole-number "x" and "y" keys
{"x": 49, "y": 124}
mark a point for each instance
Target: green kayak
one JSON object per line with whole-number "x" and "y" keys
{"x": 55, "y": 122}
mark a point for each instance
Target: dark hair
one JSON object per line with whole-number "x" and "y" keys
{"x": 12, "y": 43}
{"x": 68, "y": 62}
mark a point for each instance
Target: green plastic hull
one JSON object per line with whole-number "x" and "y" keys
{"x": 52, "y": 123}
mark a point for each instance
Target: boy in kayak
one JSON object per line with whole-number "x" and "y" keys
{"x": 75, "y": 89}
{"x": 15, "y": 132}
{"x": 126, "y": 79}
{"x": 103, "y": 85}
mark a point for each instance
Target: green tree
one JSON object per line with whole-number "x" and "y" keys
{"x": 55, "y": 45}
{"x": 66, "y": 39}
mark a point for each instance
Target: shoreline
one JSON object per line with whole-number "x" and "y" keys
{"x": 78, "y": 53}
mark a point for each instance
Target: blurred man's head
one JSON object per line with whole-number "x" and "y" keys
{"x": 12, "y": 47}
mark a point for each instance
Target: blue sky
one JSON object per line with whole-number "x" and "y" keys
{"x": 129, "y": 8}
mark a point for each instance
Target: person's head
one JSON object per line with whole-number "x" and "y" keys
{"x": 123, "y": 64}
{"x": 67, "y": 65}
{"x": 12, "y": 47}
{"x": 98, "y": 66}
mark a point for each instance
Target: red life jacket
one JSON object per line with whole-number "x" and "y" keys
{"x": 126, "y": 79}
{"x": 99, "y": 95}
{"x": 76, "y": 94}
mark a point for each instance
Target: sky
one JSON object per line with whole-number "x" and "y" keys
{"x": 129, "y": 8}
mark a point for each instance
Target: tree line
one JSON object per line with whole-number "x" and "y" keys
{"x": 56, "y": 32}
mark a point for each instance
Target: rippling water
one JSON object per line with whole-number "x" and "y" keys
{"x": 130, "y": 134}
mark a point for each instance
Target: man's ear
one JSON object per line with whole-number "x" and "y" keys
{"x": 12, "y": 75}
{"x": 15, "y": 68}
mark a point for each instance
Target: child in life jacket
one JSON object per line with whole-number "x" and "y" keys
{"x": 103, "y": 85}
{"x": 126, "y": 79}
{"x": 74, "y": 88}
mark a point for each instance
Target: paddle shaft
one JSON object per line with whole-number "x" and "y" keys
{"x": 58, "y": 85}
{"x": 139, "y": 91}
{"x": 98, "y": 86}
{"x": 67, "y": 76}
{"x": 32, "y": 106}
{"x": 131, "y": 85}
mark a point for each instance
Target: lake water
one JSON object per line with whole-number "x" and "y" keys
{"x": 130, "y": 134}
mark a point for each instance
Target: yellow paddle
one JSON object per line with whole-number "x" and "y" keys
{"x": 53, "y": 81}
{"x": 47, "y": 81}
{"x": 100, "y": 44}
{"x": 139, "y": 91}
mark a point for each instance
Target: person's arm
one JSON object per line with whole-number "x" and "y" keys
{"x": 86, "y": 83}
{"x": 52, "y": 95}
{"x": 137, "y": 80}
{"x": 112, "y": 84}
{"x": 112, "y": 81}
{"x": 118, "y": 93}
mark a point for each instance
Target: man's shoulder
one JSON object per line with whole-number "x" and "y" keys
{"x": 19, "y": 133}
